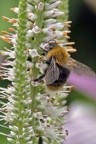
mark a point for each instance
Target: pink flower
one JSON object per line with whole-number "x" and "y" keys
{"x": 81, "y": 124}
{"x": 84, "y": 84}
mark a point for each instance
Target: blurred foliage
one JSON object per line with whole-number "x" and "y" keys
{"x": 78, "y": 96}
{"x": 83, "y": 33}
{"x": 5, "y": 11}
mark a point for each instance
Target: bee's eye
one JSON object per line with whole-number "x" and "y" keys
{"x": 51, "y": 46}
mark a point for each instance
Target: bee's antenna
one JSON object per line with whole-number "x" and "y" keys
{"x": 52, "y": 44}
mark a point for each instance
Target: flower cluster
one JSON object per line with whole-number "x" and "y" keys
{"x": 33, "y": 113}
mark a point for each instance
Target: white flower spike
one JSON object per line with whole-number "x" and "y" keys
{"x": 32, "y": 112}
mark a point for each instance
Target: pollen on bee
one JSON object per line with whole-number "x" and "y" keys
{"x": 52, "y": 88}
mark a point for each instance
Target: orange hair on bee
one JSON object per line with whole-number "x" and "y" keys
{"x": 54, "y": 88}
{"x": 60, "y": 54}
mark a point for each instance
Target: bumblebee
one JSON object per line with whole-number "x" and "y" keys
{"x": 60, "y": 65}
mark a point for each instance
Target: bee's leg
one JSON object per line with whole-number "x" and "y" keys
{"x": 40, "y": 140}
{"x": 47, "y": 62}
{"x": 40, "y": 78}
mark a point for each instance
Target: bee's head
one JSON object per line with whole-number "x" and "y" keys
{"x": 52, "y": 44}
{"x": 48, "y": 46}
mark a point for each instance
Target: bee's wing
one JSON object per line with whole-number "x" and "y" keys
{"x": 52, "y": 73}
{"x": 81, "y": 69}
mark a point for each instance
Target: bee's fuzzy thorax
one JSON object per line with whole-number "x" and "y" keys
{"x": 60, "y": 54}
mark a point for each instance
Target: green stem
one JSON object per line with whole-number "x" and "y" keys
{"x": 20, "y": 58}
{"x": 35, "y": 44}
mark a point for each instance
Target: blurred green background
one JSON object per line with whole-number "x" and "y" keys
{"x": 83, "y": 33}
{"x": 5, "y": 11}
